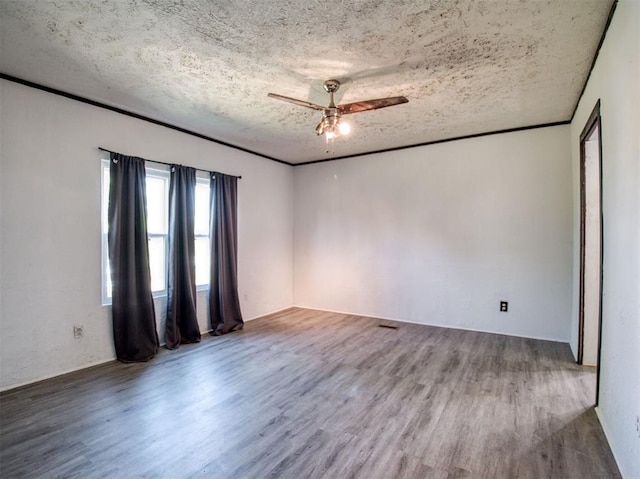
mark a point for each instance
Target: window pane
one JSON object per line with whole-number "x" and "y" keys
{"x": 157, "y": 259}
{"x": 157, "y": 186}
{"x": 105, "y": 197}
{"x": 202, "y": 260}
{"x": 156, "y": 205}
{"x": 107, "y": 280}
{"x": 156, "y": 265}
{"x": 202, "y": 209}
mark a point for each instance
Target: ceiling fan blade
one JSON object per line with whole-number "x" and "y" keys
{"x": 370, "y": 104}
{"x": 296, "y": 102}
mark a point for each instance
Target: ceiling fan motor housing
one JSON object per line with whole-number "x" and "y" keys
{"x": 330, "y": 121}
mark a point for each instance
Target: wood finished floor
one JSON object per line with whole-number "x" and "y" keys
{"x": 308, "y": 394}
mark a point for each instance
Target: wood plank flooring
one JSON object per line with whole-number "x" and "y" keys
{"x": 309, "y": 394}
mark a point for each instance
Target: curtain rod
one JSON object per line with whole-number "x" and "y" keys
{"x": 165, "y": 163}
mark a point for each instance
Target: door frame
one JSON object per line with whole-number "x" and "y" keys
{"x": 593, "y": 122}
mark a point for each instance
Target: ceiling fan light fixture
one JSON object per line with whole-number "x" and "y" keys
{"x": 330, "y": 126}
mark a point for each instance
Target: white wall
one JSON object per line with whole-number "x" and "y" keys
{"x": 614, "y": 81}
{"x": 50, "y": 227}
{"x": 440, "y": 234}
{"x": 435, "y": 235}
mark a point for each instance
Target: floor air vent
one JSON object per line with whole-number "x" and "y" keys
{"x": 388, "y": 326}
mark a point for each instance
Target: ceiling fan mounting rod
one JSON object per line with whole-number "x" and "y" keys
{"x": 331, "y": 86}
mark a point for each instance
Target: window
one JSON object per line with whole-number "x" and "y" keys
{"x": 157, "y": 183}
{"x": 106, "y": 271}
{"x": 202, "y": 231}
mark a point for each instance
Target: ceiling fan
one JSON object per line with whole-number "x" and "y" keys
{"x": 330, "y": 125}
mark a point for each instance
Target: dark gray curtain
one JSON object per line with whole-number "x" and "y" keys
{"x": 224, "y": 305}
{"x": 134, "y": 319}
{"x": 182, "y": 322}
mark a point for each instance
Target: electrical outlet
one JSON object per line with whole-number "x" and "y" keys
{"x": 78, "y": 331}
{"x": 638, "y": 425}
{"x": 504, "y": 306}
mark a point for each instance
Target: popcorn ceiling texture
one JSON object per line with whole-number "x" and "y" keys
{"x": 466, "y": 66}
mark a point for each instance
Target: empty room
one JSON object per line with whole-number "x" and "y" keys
{"x": 363, "y": 239}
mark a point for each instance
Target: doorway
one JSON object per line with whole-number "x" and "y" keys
{"x": 591, "y": 236}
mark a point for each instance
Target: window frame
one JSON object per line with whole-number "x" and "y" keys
{"x": 105, "y": 165}
{"x": 162, "y": 172}
{"x": 204, "y": 181}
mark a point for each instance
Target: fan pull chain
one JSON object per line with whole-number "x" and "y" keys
{"x": 327, "y": 140}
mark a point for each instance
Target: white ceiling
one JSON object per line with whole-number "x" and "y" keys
{"x": 467, "y": 67}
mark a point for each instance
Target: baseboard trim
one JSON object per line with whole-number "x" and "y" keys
{"x": 605, "y": 429}
{"x": 51, "y": 376}
{"x": 269, "y": 314}
{"x": 437, "y": 325}
{"x": 104, "y": 361}
{"x": 98, "y": 363}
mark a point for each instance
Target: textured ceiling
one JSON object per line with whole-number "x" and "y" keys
{"x": 467, "y": 67}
